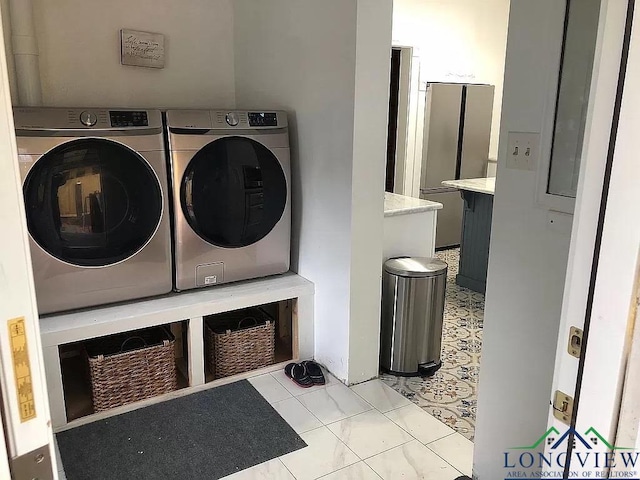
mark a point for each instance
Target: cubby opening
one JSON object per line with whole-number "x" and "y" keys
{"x": 282, "y": 313}
{"x": 76, "y": 381}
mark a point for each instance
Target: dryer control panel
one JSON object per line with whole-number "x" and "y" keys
{"x": 128, "y": 118}
{"x": 263, "y": 119}
{"x": 86, "y": 119}
{"x": 226, "y": 119}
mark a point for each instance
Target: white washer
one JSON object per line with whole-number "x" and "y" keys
{"x": 96, "y": 202}
{"x": 231, "y": 195}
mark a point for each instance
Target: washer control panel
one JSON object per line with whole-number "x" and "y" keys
{"x": 227, "y": 119}
{"x": 232, "y": 119}
{"x": 263, "y": 119}
{"x": 88, "y": 119}
{"x": 94, "y": 119}
{"x": 128, "y": 118}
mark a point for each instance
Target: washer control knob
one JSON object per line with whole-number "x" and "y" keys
{"x": 232, "y": 119}
{"x": 89, "y": 119}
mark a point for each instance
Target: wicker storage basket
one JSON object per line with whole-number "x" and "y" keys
{"x": 132, "y": 366}
{"x": 239, "y": 341}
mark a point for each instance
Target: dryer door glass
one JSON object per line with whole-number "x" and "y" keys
{"x": 92, "y": 202}
{"x": 233, "y": 192}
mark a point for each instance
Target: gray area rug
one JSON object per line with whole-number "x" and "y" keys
{"x": 451, "y": 395}
{"x": 206, "y": 435}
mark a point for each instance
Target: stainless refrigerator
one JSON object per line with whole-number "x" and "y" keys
{"x": 456, "y": 135}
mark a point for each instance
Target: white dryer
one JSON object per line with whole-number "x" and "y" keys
{"x": 95, "y": 192}
{"x": 231, "y": 195}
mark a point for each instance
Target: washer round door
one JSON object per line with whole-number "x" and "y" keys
{"x": 92, "y": 202}
{"x": 233, "y": 192}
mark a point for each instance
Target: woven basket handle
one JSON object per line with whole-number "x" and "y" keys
{"x": 255, "y": 323}
{"x": 144, "y": 342}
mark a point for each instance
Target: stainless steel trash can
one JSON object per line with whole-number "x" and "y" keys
{"x": 413, "y": 291}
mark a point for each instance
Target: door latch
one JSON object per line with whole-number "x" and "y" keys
{"x": 575, "y": 342}
{"x": 33, "y": 465}
{"x": 562, "y": 407}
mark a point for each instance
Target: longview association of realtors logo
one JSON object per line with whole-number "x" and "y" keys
{"x": 592, "y": 456}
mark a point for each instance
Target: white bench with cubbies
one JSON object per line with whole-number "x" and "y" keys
{"x": 289, "y": 296}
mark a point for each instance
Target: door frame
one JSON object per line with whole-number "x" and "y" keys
{"x": 25, "y": 413}
{"x": 404, "y": 160}
{"x": 600, "y": 282}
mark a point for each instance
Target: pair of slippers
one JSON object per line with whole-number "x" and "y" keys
{"x": 305, "y": 374}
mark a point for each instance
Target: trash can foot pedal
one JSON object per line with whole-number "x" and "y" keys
{"x": 400, "y": 374}
{"x": 429, "y": 369}
{"x": 426, "y": 370}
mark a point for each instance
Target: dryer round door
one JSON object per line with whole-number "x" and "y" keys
{"x": 233, "y": 192}
{"x": 92, "y": 202}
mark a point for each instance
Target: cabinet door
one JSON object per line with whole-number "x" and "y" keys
{"x": 476, "y": 136}
{"x": 441, "y": 134}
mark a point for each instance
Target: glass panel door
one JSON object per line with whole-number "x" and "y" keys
{"x": 92, "y": 202}
{"x": 233, "y": 192}
{"x": 581, "y": 32}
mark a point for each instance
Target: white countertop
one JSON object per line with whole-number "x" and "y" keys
{"x": 395, "y": 204}
{"x": 480, "y": 185}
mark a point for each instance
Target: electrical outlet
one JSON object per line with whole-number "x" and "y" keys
{"x": 523, "y": 150}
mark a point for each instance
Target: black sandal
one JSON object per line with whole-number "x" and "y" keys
{"x": 315, "y": 372}
{"x": 298, "y": 373}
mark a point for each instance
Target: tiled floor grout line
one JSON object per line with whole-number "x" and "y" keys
{"x": 444, "y": 459}
{"x": 347, "y": 417}
{"x": 360, "y": 459}
{"x": 409, "y": 433}
{"x": 416, "y": 438}
{"x": 391, "y": 448}
{"x": 381, "y": 413}
{"x": 441, "y": 438}
{"x": 362, "y": 398}
{"x": 346, "y": 446}
{"x": 306, "y": 409}
{"x": 348, "y": 466}
{"x": 285, "y": 467}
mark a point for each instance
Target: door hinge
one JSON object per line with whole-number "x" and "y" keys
{"x": 35, "y": 464}
{"x": 575, "y": 342}
{"x": 562, "y": 407}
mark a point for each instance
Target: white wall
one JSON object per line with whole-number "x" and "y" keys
{"x": 301, "y": 56}
{"x": 373, "y": 42}
{"x": 528, "y": 257}
{"x": 79, "y": 53}
{"x": 457, "y": 41}
{"x": 6, "y": 31}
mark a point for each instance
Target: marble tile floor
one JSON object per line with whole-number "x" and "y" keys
{"x": 365, "y": 432}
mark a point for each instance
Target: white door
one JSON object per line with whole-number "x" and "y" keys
{"x": 27, "y": 426}
{"x": 603, "y": 260}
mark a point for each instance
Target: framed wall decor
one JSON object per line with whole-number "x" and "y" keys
{"x": 141, "y": 49}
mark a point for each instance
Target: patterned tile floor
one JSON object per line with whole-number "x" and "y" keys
{"x": 451, "y": 394}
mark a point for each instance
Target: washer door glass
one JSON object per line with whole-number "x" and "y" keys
{"x": 233, "y": 192}
{"x": 92, "y": 202}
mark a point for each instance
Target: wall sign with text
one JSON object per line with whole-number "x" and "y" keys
{"x": 141, "y": 49}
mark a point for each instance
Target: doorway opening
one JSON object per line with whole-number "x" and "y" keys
{"x": 392, "y": 135}
{"x": 534, "y": 218}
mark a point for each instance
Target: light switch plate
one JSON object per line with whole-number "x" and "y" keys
{"x": 523, "y": 150}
